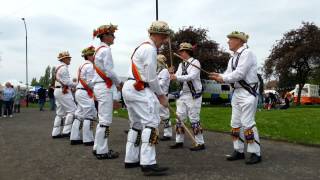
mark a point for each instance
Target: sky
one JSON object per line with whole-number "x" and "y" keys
{"x": 59, "y": 25}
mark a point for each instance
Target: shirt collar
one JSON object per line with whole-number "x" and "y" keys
{"x": 62, "y": 63}
{"x": 240, "y": 49}
{"x": 104, "y": 44}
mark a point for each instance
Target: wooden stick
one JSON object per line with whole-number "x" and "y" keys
{"x": 190, "y": 63}
{"x": 170, "y": 52}
{"x": 184, "y": 126}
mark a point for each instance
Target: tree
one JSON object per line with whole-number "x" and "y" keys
{"x": 34, "y": 82}
{"x": 45, "y": 80}
{"x": 295, "y": 56}
{"x": 211, "y": 57}
{"x": 53, "y": 74}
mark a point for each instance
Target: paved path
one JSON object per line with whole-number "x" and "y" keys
{"x": 28, "y": 152}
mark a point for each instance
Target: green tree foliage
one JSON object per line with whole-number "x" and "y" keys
{"x": 45, "y": 80}
{"x": 34, "y": 82}
{"x": 295, "y": 57}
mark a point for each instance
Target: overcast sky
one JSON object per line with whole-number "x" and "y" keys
{"x": 58, "y": 25}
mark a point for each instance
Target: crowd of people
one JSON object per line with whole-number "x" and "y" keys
{"x": 10, "y": 100}
{"x": 145, "y": 96}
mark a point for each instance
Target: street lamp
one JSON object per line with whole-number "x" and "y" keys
{"x": 157, "y": 10}
{"x": 25, "y": 27}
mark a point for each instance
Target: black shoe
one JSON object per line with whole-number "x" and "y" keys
{"x": 153, "y": 170}
{"x": 254, "y": 159}
{"x": 94, "y": 152}
{"x": 89, "y": 143}
{"x": 176, "y": 146}
{"x": 235, "y": 156}
{"x": 198, "y": 147}
{"x": 76, "y": 142}
{"x": 110, "y": 155}
{"x": 66, "y": 135}
{"x": 126, "y": 131}
{"x": 132, "y": 165}
{"x": 57, "y": 136}
{"x": 165, "y": 138}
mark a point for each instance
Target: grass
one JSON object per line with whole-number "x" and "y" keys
{"x": 297, "y": 124}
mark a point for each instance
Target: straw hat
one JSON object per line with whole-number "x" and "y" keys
{"x": 185, "y": 46}
{"x": 159, "y": 27}
{"x": 239, "y": 35}
{"x": 63, "y": 55}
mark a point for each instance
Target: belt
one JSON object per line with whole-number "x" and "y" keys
{"x": 58, "y": 87}
{"x": 81, "y": 88}
{"x": 146, "y": 85}
{"x": 251, "y": 84}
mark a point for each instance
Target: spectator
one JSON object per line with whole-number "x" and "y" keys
{"x": 51, "y": 98}
{"x": 12, "y": 102}
{"x": 42, "y": 97}
{"x": 17, "y": 100}
{"x": 287, "y": 101}
{"x": 8, "y": 97}
{"x": 1, "y": 102}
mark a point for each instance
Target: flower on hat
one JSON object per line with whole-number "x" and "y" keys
{"x": 104, "y": 29}
{"x": 160, "y": 27}
{"x": 89, "y": 51}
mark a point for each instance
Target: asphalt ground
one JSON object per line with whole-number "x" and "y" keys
{"x": 27, "y": 151}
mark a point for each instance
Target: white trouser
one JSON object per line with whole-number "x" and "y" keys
{"x": 244, "y": 106}
{"x": 187, "y": 107}
{"x": 105, "y": 109}
{"x": 65, "y": 108}
{"x": 85, "y": 113}
{"x": 143, "y": 109}
{"x": 165, "y": 117}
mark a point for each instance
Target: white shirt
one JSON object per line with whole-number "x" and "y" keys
{"x": 164, "y": 80}
{"x": 86, "y": 73}
{"x": 63, "y": 76}
{"x": 103, "y": 60}
{"x": 145, "y": 59}
{"x": 193, "y": 76}
{"x": 246, "y": 69}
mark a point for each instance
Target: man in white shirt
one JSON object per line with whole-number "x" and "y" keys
{"x": 143, "y": 95}
{"x": 164, "y": 81}
{"x": 104, "y": 78}
{"x": 64, "y": 99}
{"x": 242, "y": 74}
{"x": 189, "y": 102}
{"x": 86, "y": 111}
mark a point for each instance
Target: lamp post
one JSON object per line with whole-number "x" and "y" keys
{"x": 27, "y": 83}
{"x": 157, "y": 10}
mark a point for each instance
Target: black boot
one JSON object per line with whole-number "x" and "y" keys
{"x": 165, "y": 138}
{"x": 110, "y": 155}
{"x": 66, "y": 135}
{"x": 89, "y": 143}
{"x": 57, "y": 136}
{"x": 198, "y": 147}
{"x": 254, "y": 159}
{"x": 132, "y": 165}
{"x": 153, "y": 170}
{"x": 176, "y": 146}
{"x": 76, "y": 142}
{"x": 235, "y": 156}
